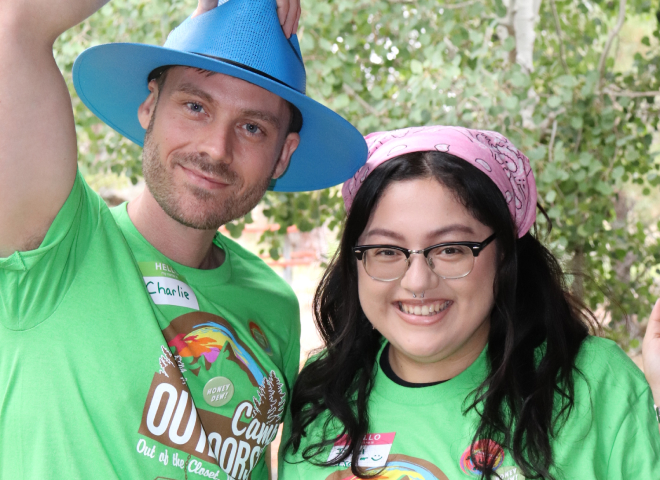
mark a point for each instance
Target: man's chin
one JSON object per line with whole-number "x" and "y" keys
{"x": 198, "y": 218}
{"x": 209, "y": 213}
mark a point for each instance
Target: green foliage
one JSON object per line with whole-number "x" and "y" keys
{"x": 386, "y": 64}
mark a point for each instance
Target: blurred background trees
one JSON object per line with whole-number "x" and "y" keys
{"x": 573, "y": 83}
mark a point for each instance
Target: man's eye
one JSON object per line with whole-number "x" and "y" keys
{"x": 252, "y": 129}
{"x": 195, "y": 107}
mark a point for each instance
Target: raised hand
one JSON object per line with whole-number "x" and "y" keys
{"x": 651, "y": 352}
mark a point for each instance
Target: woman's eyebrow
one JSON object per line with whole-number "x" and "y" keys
{"x": 457, "y": 227}
{"x": 385, "y": 233}
{"x": 435, "y": 233}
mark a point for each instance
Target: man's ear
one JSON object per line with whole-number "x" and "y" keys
{"x": 147, "y": 108}
{"x": 290, "y": 144}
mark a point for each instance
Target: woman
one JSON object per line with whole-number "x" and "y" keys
{"x": 452, "y": 346}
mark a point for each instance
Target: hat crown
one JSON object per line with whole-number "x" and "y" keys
{"x": 247, "y": 33}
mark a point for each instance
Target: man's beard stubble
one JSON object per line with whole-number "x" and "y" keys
{"x": 213, "y": 213}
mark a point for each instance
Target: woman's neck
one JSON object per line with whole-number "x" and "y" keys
{"x": 420, "y": 371}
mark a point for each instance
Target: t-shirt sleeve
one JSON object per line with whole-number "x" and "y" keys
{"x": 32, "y": 283}
{"x": 636, "y": 449}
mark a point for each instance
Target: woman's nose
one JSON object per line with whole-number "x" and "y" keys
{"x": 419, "y": 277}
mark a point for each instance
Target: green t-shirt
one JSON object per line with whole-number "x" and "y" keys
{"x": 423, "y": 434}
{"x": 108, "y": 347}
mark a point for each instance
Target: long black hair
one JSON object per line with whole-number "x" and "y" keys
{"x": 536, "y": 329}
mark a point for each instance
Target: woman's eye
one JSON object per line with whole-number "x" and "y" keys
{"x": 195, "y": 107}
{"x": 452, "y": 251}
{"x": 387, "y": 252}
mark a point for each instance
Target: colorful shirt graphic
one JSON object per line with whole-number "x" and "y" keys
{"x": 611, "y": 433}
{"x": 145, "y": 368}
{"x": 399, "y": 467}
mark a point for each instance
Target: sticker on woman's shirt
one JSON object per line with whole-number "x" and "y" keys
{"x": 166, "y": 286}
{"x": 375, "y": 450}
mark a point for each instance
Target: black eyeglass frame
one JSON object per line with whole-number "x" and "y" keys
{"x": 475, "y": 248}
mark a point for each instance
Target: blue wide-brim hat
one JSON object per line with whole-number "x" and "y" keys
{"x": 240, "y": 38}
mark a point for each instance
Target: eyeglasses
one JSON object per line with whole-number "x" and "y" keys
{"x": 449, "y": 260}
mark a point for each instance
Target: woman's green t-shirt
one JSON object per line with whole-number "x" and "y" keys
{"x": 424, "y": 434}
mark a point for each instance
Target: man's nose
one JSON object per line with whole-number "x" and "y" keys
{"x": 216, "y": 141}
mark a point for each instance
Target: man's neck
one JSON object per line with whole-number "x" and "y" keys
{"x": 185, "y": 245}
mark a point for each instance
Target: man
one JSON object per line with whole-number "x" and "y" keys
{"x": 139, "y": 343}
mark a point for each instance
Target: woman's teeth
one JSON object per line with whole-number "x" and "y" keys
{"x": 424, "y": 310}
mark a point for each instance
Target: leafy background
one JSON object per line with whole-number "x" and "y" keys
{"x": 585, "y": 112}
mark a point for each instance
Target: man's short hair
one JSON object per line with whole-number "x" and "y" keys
{"x": 160, "y": 75}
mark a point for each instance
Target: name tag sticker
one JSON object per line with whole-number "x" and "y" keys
{"x": 166, "y": 286}
{"x": 375, "y": 450}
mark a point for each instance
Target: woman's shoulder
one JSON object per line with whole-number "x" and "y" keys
{"x": 604, "y": 365}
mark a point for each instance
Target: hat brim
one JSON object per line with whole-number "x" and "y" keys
{"x": 112, "y": 81}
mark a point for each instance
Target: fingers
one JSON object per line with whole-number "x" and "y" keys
{"x": 651, "y": 351}
{"x": 204, "y": 6}
{"x": 288, "y": 12}
{"x": 297, "y": 24}
{"x": 653, "y": 327}
{"x": 282, "y": 10}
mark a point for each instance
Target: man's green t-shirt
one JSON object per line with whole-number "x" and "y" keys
{"x": 423, "y": 433}
{"x": 118, "y": 363}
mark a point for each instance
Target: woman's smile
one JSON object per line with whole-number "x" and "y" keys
{"x": 424, "y": 313}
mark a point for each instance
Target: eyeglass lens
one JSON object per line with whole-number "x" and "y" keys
{"x": 453, "y": 261}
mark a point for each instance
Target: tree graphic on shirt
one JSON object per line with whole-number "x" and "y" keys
{"x": 269, "y": 404}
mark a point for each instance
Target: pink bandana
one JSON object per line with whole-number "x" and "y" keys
{"x": 490, "y": 152}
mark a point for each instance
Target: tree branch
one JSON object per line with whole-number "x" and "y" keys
{"x": 562, "y": 55}
{"x": 453, "y": 6}
{"x": 628, "y": 93}
{"x": 352, "y": 93}
{"x": 610, "y": 39}
{"x": 545, "y": 124}
{"x": 449, "y": 6}
{"x": 551, "y": 145}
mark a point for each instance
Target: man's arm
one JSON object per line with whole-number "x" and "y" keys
{"x": 38, "y": 149}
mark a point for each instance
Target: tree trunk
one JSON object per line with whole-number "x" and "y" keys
{"x": 577, "y": 270}
{"x": 521, "y": 19}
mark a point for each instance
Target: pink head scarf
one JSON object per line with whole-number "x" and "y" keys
{"x": 490, "y": 152}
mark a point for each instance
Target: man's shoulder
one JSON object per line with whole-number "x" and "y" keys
{"x": 251, "y": 269}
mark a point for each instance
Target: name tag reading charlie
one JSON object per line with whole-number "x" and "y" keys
{"x": 375, "y": 450}
{"x": 166, "y": 286}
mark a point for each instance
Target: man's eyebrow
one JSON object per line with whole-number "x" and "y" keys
{"x": 191, "y": 89}
{"x": 264, "y": 116}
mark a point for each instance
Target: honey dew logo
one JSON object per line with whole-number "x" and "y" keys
{"x": 234, "y": 444}
{"x": 398, "y": 467}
